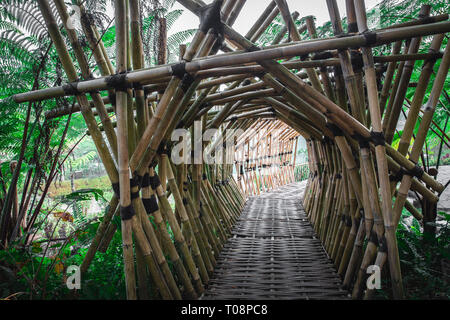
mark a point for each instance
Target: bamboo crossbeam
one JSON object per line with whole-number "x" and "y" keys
{"x": 382, "y": 37}
{"x": 235, "y": 74}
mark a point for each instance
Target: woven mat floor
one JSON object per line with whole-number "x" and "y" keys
{"x": 274, "y": 254}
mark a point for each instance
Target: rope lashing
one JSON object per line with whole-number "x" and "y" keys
{"x": 371, "y": 38}
{"x": 71, "y": 89}
{"x": 155, "y": 182}
{"x": 134, "y": 182}
{"x": 118, "y": 82}
{"x": 377, "y": 138}
{"x": 362, "y": 141}
{"x": 335, "y": 130}
{"x": 210, "y": 18}
{"x": 150, "y": 204}
{"x": 127, "y": 213}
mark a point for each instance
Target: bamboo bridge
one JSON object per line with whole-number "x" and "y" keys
{"x": 240, "y": 229}
{"x": 274, "y": 254}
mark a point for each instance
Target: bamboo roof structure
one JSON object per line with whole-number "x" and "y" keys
{"x": 335, "y": 92}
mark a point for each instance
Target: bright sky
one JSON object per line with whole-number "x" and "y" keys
{"x": 254, "y": 8}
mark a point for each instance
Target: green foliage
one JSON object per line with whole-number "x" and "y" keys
{"x": 424, "y": 260}
{"x": 150, "y": 30}
{"x": 20, "y": 271}
{"x": 84, "y": 194}
{"x": 105, "y": 278}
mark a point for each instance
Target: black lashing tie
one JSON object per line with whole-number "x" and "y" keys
{"x": 134, "y": 195}
{"x": 362, "y": 141}
{"x": 377, "y": 138}
{"x": 218, "y": 44}
{"x": 416, "y": 172}
{"x": 71, "y": 88}
{"x": 337, "y": 71}
{"x": 180, "y": 125}
{"x": 335, "y": 130}
{"x": 147, "y": 92}
{"x": 210, "y": 18}
{"x": 383, "y": 245}
{"x": 348, "y": 221}
{"x": 322, "y": 55}
{"x": 427, "y": 19}
{"x": 163, "y": 149}
{"x": 137, "y": 86}
{"x": 134, "y": 182}
{"x": 357, "y": 221}
{"x": 233, "y": 118}
{"x": 145, "y": 181}
{"x": 150, "y": 204}
{"x": 373, "y": 238}
{"x": 304, "y": 56}
{"x": 352, "y": 27}
{"x": 118, "y": 82}
{"x": 260, "y": 74}
{"x": 398, "y": 176}
{"x": 204, "y": 177}
{"x": 179, "y": 71}
{"x": 155, "y": 182}
{"x": 185, "y": 202}
{"x": 204, "y": 105}
{"x": 371, "y": 38}
{"x": 357, "y": 60}
{"x": 254, "y": 48}
{"x": 116, "y": 189}
{"x": 325, "y": 140}
{"x": 127, "y": 213}
{"x": 186, "y": 82}
{"x": 154, "y": 164}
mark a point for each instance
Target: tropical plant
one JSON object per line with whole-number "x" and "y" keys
{"x": 152, "y": 15}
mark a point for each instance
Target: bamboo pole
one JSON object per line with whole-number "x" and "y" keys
{"x": 126, "y": 209}
{"x": 380, "y": 152}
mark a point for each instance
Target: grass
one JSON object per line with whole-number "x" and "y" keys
{"x": 61, "y": 189}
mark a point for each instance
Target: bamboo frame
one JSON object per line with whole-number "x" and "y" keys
{"x": 349, "y": 193}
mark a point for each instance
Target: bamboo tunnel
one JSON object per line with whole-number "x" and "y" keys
{"x": 227, "y": 127}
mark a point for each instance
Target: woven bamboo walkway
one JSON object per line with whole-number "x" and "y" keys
{"x": 274, "y": 254}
